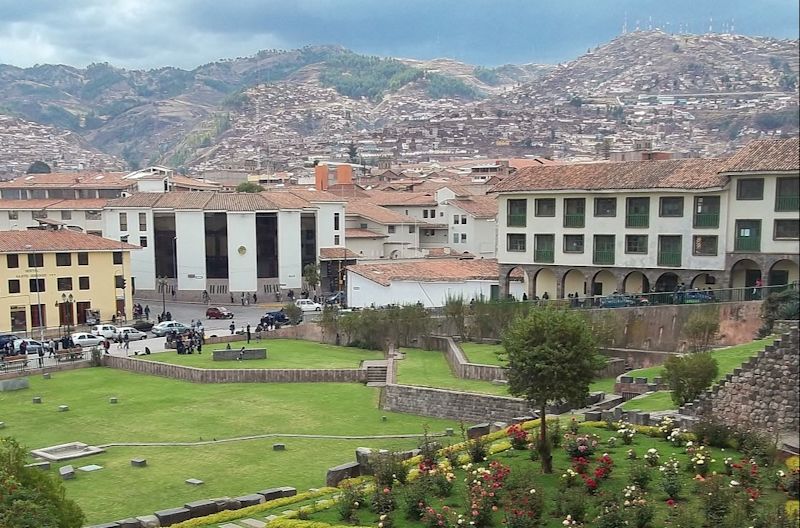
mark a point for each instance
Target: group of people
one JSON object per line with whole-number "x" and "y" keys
{"x": 246, "y": 298}
{"x": 166, "y": 316}
{"x": 139, "y": 312}
{"x": 189, "y": 342}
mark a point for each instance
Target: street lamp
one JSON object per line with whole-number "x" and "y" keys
{"x": 162, "y": 283}
{"x": 38, "y": 298}
{"x": 67, "y": 301}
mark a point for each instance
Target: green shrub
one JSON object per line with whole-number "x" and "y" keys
{"x": 712, "y": 433}
{"x": 688, "y": 376}
{"x": 702, "y": 328}
{"x": 779, "y": 305}
{"x": 639, "y": 475}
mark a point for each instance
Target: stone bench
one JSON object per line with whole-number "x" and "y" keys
{"x": 233, "y": 354}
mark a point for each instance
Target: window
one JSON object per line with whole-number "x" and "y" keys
{"x": 123, "y": 221}
{"x": 463, "y": 238}
{"x": 424, "y": 213}
{"x": 638, "y": 212}
{"x": 36, "y": 285}
{"x": 750, "y": 189}
{"x": 573, "y": 243}
{"x": 706, "y": 212}
{"x": 108, "y": 193}
{"x": 515, "y": 242}
{"x": 636, "y": 244}
{"x": 93, "y": 215}
{"x": 38, "y": 194}
{"x": 517, "y": 213}
{"x": 362, "y": 226}
{"x": 86, "y": 194}
{"x": 455, "y": 238}
{"x": 63, "y": 259}
{"x": 603, "y": 250}
{"x": 39, "y": 214}
{"x": 432, "y": 213}
{"x": 671, "y": 206}
{"x": 13, "y": 194}
{"x": 64, "y": 283}
{"x": 391, "y": 229}
{"x": 669, "y": 251}
{"x": 412, "y": 228}
{"x": 787, "y": 229}
{"x": 748, "y": 235}
{"x": 336, "y": 240}
{"x": 574, "y": 211}
{"x": 13, "y": 215}
{"x": 118, "y": 257}
{"x": 605, "y": 207}
{"x": 463, "y": 219}
{"x": 38, "y": 316}
{"x": 428, "y": 232}
{"x": 12, "y": 260}
{"x": 545, "y": 207}
{"x": 83, "y": 259}
{"x": 704, "y": 245}
{"x": 83, "y": 283}
{"x": 543, "y": 248}
{"x": 66, "y": 215}
{"x": 335, "y": 221}
{"x": 143, "y": 241}
{"x": 35, "y": 260}
{"x": 455, "y": 219}
{"x": 13, "y": 285}
{"x": 143, "y": 221}
{"x": 787, "y": 195}
{"x": 119, "y": 281}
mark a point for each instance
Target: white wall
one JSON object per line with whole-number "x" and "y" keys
{"x": 366, "y": 247}
{"x": 191, "y": 249}
{"x": 362, "y": 292}
{"x": 242, "y": 266}
{"x": 290, "y": 273}
{"x": 143, "y": 264}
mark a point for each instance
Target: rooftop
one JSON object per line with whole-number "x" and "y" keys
{"x": 77, "y": 180}
{"x": 362, "y": 233}
{"x": 41, "y": 240}
{"x": 477, "y": 206}
{"x": 337, "y": 253}
{"x": 766, "y": 155}
{"x": 378, "y": 214}
{"x": 428, "y": 270}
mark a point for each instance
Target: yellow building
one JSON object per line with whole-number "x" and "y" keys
{"x": 51, "y": 279}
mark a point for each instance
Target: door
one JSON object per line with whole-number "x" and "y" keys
{"x": 750, "y": 278}
{"x": 82, "y": 308}
{"x": 121, "y": 307}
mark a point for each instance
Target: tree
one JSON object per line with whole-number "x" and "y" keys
{"x": 352, "y": 152}
{"x": 551, "y": 357}
{"x": 688, "y": 376}
{"x": 455, "y": 313}
{"x": 293, "y": 312}
{"x": 38, "y": 167}
{"x": 30, "y": 497}
{"x": 701, "y": 329}
{"x": 311, "y": 275}
{"x": 249, "y": 187}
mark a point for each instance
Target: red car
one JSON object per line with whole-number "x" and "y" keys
{"x": 219, "y": 313}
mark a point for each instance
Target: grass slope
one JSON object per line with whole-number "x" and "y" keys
{"x": 482, "y": 353}
{"x": 429, "y": 368}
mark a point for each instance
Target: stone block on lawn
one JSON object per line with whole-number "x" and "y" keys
{"x": 229, "y": 525}
{"x": 339, "y": 473}
{"x": 252, "y": 523}
{"x": 138, "y": 462}
{"x": 279, "y": 447}
{"x": 194, "y": 481}
{"x": 287, "y": 491}
{"x": 113, "y": 524}
{"x": 497, "y": 426}
{"x": 63, "y": 408}
{"x": 592, "y": 416}
{"x": 44, "y": 466}
{"x": 226, "y": 503}
{"x": 148, "y": 521}
{"x": 521, "y": 419}
{"x": 13, "y": 384}
{"x": 362, "y": 457}
{"x": 129, "y": 523}
{"x": 250, "y": 500}
{"x": 2, "y": 425}
{"x": 46, "y": 375}
{"x": 449, "y": 431}
{"x": 173, "y": 516}
{"x": 271, "y": 494}
{"x": 113, "y": 399}
{"x": 37, "y": 399}
{"x": 201, "y": 508}
{"x": 66, "y": 472}
{"x": 478, "y": 430}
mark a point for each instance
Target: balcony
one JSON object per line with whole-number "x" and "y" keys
{"x": 787, "y": 203}
{"x": 637, "y": 220}
{"x": 706, "y": 220}
{"x": 574, "y": 220}
{"x": 603, "y": 258}
{"x": 669, "y": 259}
{"x": 543, "y": 255}
{"x": 748, "y": 244}
{"x": 516, "y": 220}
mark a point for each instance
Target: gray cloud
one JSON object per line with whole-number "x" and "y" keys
{"x": 186, "y": 33}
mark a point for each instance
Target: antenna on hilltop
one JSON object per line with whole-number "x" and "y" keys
{"x": 637, "y": 25}
{"x": 650, "y": 23}
{"x": 625, "y": 24}
{"x": 710, "y": 24}
{"x": 732, "y": 26}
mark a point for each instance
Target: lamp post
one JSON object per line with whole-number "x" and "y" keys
{"x": 38, "y": 295}
{"x": 67, "y": 301}
{"x": 162, "y": 283}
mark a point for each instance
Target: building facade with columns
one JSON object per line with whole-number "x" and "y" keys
{"x": 599, "y": 228}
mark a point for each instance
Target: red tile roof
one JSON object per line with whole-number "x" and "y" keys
{"x": 337, "y": 253}
{"x": 90, "y": 204}
{"x": 447, "y": 252}
{"x": 59, "y": 240}
{"x": 194, "y": 183}
{"x": 313, "y": 195}
{"x": 355, "y": 232}
{"x": 238, "y": 202}
{"x": 766, "y": 155}
{"x": 14, "y": 205}
{"x": 477, "y": 206}
{"x": 285, "y": 200}
{"x": 400, "y": 198}
{"x": 429, "y": 270}
{"x": 378, "y": 214}
{"x": 90, "y": 180}
{"x": 669, "y": 174}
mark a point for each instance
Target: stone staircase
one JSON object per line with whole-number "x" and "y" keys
{"x": 376, "y": 372}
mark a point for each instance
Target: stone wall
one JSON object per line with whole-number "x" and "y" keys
{"x": 763, "y": 394}
{"x": 636, "y": 359}
{"x": 197, "y": 375}
{"x": 458, "y": 362}
{"x": 452, "y": 405}
{"x": 57, "y": 367}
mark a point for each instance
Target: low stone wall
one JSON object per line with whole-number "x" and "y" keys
{"x": 630, "y": 386}
{"x": 458, "y": 362}
{"x": 230, "y": 338}
{"x": 197, "y": 375}
{"x": 763, "y": 394}
{"x": 236, "y": 355}
{"x": 636, "y": 359}
{"x": 453, "y": 405}
{"x": 614, "y": 367}
{"x": 56, "y": 367}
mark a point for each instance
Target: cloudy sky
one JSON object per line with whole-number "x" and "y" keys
{"x": 186, "y": 33}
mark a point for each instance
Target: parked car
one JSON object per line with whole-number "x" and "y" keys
{"x": 163, "y": 328}
{"x": 6, "y": 338}
{"x": 143, "y": 325}
{"x": 133, "y": 334}
{"x": 105, "y": 330}
{"x": 33, "y": 345}
{"x": 84, "y": 339}
{"x": 308, "y": 305}
{"x": 218, "y": 312}
{"x": 278, "y": 317}
{"x": 335, "y": 298}
{"x": 616, "y": 301}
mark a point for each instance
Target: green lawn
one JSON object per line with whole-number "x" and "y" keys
{"x": 153, "y": 409}
{"x": 281, "y": 353}
{"x": 429, "y": 368}
{"x": 656, "y": 401}
{"x": 483, "y": 354}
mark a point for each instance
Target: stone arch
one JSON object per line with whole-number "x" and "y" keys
{"x": 604, "y": 283}
{"x": 744, "y": 273}
{"x": 703, "y": 281}
{"x": 667, "y": 282}
{"x": 783, "y": 271}
{"x": 517, "y": 283}
{"x": 636, "y": 282}
{"x": 545, "y": 282}
{"x": 573, "y": 282}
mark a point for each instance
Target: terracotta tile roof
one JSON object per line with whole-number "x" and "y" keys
{"x": 337, "y": 253}
{"x": 238, "y": 202}
{"x": 95, "y": 180}
{"x": 347, "y": 191}
{"x": 36, "y": 205}
{"x": 183, "y": 200}
{"x": 355, "y": 232}
{"x": 385, "y": 198}
{"x": 766, "y": 155}
{"x": 194, "y": 183}
{"x": 90, "y": 204}
{"x": 429, "y": 270}
{"x": 313, "y": 195}
{"x": 135, "y": 200}
{"x": 377, "y": 214}
{"x": 477, "y": 206}
{"x": 669, "y": 174}
{"x": 447, "y": 252}
{"x": 60, "y": 240}
{"x": 285, "y": 200}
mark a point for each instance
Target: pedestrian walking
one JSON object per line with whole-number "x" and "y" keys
{"x": 41, "y": 357}
{"x": 52, "y": 347}
{"x": 127, "y": 341}
{"x": 255, "y": 299}
{"x": 248, "y": 334}
{"x": 106, "y": 345}
{"x": 232, "y": 327}
{"x": 242, "y": 298}
{"x": 147, "y": 311}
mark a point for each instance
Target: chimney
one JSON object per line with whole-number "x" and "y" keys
{"x": 321, "y": 177}
{"x": 344, "y": 174}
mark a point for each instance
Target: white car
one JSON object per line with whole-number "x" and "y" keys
{"x": 307, "y": 305}
{"x": 83, "y": 339}
{"x": 104, "y": 330}
{"x": 133, "y": 334}
{"x": 163, "y": 328}
{"x": 33, "y": 346}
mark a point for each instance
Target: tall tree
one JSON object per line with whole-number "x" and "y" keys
{"x": 352, "y": 152}
{"x": 551, "y": 357}
{"x": 249, "y": 187}
{"x": 38, "y": 167}
{"x": 311, "y": 275}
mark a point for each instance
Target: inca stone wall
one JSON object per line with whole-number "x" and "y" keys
{"x": 453, "y": 405}
{"x": 763, "y": 394}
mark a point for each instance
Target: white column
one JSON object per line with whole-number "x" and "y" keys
{"x": 290, "y": 273}
{"x": 242, "y": 276}
{"x": 191, "y": 246}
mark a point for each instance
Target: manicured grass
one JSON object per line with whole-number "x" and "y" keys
{"x": 483, "y": 354}
{"x": 656, "y": 401}
{"x": 152, "y": 409}
{"x": 604, "y": 384}
{"x": 281, "y": 353}
{"x": 429, "y": 368}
